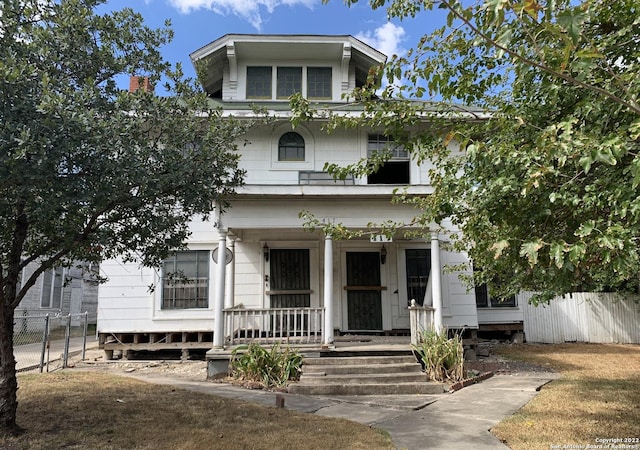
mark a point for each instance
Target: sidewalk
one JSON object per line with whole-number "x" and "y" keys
{"x": 416, "y": 422}
{"x": 28, "y": 356}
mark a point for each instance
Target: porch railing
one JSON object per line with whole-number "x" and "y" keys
{"x": 421, "y": 319}
{"x": 270, "y": 325}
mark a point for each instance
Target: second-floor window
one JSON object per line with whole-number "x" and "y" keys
{"x": 291, "y": 147}
{"x": 396, "y": 169}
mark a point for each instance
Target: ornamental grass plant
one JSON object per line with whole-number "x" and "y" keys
{"x": 442, "y": 357}
{"x": 274, "y": 367}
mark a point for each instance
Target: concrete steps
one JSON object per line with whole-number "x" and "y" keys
{"x": 398, "y": 374}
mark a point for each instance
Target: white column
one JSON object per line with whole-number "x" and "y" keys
{"x": 328, "y": 291}
{"x": 218, "y": 303}
{"x": 231, "y": 274}
{"x": 436, "y": 285}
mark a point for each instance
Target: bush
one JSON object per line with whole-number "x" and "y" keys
{"x": 442, "y": 358}
{"x": 273, "y": 368}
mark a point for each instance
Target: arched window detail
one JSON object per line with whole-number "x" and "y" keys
{"x": 291, "y": 147}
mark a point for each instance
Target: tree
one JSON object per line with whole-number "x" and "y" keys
{"x": 89, "y": 171}
{"x": 544, "y": 193}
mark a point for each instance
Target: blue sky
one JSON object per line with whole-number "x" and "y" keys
{"x": 198, "y": 22}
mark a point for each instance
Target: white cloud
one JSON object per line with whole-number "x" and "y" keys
{"x": 386, "y": 39}
{"x": 250, "y": 10}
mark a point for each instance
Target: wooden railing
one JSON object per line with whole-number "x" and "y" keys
{"x": 270, "y": 325}
{"x": 421, "y": 319}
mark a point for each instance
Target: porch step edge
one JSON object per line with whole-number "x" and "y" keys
{"x": 424, "y": 387}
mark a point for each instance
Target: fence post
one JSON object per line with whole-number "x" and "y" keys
{"x": 45, "y": 335}
{"x": 84, "y": 335}
{"x": 67, "y": 336}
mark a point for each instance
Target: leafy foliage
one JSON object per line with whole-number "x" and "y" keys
{"x": 541, "y": 186}
{"x": 442, "y": 358}
{"x": 89, "y": 171}
{"x": 273, "y": 368}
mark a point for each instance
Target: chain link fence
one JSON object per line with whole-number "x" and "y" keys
{"x": 44, "y": 342}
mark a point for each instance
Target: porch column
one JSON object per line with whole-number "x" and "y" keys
{"x": 218, "y": 304}
{"x": 231, "y": 273}
{"x": 328, "y": 290}
{"x": 436, "y": 275}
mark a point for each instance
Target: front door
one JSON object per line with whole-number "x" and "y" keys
{"x": 364, "y": 302}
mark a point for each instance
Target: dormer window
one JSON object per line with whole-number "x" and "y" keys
{"x": 313, "y": 82}
{"x": 319, "y": 83}
{"x": 289, "y": 81}
{"x": 259, "y": 82}
{"x": 291, "y": 147}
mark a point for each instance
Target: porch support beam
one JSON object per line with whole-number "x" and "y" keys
{"x": 218, "y": 305}
{"x": 328, "y": 291}
{"x": 436, "y": 285}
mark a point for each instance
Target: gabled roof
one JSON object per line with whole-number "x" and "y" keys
{"x": 231, "y": 47}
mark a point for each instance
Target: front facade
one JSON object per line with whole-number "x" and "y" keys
{"x": 272, "y": 262}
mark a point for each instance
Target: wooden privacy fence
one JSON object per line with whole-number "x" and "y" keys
{"x": 584, "y": 317}
{"x": 270, "y": 325}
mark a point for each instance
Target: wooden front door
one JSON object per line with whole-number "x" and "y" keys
{"x": 364, "y": 302}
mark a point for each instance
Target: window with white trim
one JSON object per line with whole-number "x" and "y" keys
{"x": 52, "y": 288}
{"x": 185, "y": 280}
{"x": 319, "y": 83}
{"x": 289, "y": 81}
{"x": 291, "y": 147}
{"x": 396, "y": 169}
{"x": 259, "y": 82}
{"x": 485, "y": 300}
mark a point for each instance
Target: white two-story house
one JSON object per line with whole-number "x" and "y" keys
{"x": 321, "y": 286}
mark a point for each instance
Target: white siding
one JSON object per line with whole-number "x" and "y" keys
{"x": 458, "y": 303}
{"x": 126, "y": 303}
{"x": 584, "y": 317}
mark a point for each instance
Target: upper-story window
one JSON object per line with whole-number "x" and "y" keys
{"x": 319, "y": 82}
{"x": 259, "y": 82}
{"x": 289, "y": 81}
{"x": 291, "y": 147}
{"x": 396, "y": 169}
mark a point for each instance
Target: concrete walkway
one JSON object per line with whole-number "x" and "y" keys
{"x": 28, "y": 356}
{"x": 416, "y": 422}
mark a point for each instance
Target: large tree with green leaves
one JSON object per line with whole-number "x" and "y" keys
{"x": 89, "y": 171}
{"x": 545, "y": 191}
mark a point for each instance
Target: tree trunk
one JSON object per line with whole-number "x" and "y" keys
{"x": 8, "y": 380}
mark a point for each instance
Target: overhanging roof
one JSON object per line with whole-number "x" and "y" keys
{"x": 214, "y": 55}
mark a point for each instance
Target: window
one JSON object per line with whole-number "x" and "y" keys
{"x": 291, "y": 147}
{"x": 396, "y": 169}
{"x": 319, "y": 82}
{"x": 185, "y": 280}
{"x": 418, "y": 269}
{"x": 259, "y": 82}
{"x": 484, "y": 300}
{"x": 52, "y": 284}
{"x": 289, "y": 81}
